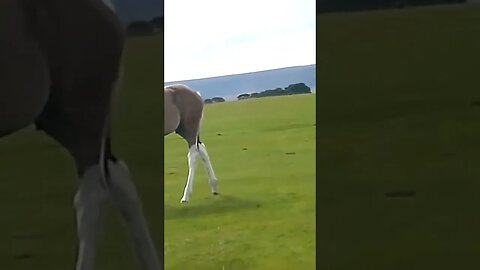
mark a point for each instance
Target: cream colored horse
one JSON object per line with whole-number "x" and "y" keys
{"x": 183, "y": 114}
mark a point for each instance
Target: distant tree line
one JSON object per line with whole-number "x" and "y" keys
{"x": 292, "y": 89}
{"x": 324, "y": 6}
{"x": 214, "y": 100}
{"x": 145, "y": 28}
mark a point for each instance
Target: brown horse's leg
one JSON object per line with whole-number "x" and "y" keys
{"x": 192, "y": 158}
{"x": 80, "y": 126}
{"x": 212, "y": 179}
{"x": 92, "y": 193}
{"x": 188, "y": 129}
{"x": 79, "y": 130}
{"x": 124, "y": 195}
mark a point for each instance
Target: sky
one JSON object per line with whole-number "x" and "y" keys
{"x": 210, "y": 38}
{"x": 131, "y": 10}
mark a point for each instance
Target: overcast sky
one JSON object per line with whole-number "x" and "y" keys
{"x": 130, "y": 10}
{"x": 211, "y": 38}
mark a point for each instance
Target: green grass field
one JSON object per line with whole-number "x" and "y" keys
{"x": 264, "y": 218}
{"x": 263, "y": 152}
{"x": 395, "y": 112}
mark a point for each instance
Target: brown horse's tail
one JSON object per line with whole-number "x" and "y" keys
{"x": 198, "y": 142}
{"x": 200, "y": 122}
{"x": 106, "y": 148}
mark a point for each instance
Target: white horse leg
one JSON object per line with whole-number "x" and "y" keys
{"x": 192, "y": 157}
{"x": 125, "y": 196}
{"x": 212, "y": 179}
{"x": 89, "y": 203}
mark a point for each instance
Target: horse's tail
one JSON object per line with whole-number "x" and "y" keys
{"x": 198, "y": 142}
{"x": 106, "y": 153}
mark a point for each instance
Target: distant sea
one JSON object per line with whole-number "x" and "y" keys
{"x": 230, "y": 86}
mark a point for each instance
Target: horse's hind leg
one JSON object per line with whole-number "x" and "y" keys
{"x": 192, "y": 158}
{"x": 189, "y": 130}
{"x": 92, "y": 192}
{"x": 212, "y": 179}
{"x": 90, "y": 200}
{"x": 124, "y": 195}
{"x": 100, "y": 176}
{"x": 194, "y": 152}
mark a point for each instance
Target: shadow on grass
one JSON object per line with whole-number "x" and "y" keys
{"x": 219, "y": 204}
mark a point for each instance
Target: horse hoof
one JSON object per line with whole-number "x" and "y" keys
{"x": 183, "y": 201}
{"x": 215, "y": 193}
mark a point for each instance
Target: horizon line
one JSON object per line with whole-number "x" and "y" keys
{"x": 236, "y": 74}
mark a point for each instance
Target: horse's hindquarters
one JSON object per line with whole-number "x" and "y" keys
{"x": 171, "y": 115}
{"x": 24, "y": 79}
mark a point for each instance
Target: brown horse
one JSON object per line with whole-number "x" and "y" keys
{"x": 183, "y": 109}
{"x": 59, "y": 64}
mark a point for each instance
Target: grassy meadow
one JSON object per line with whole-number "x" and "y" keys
{"x": 264, "y": 218}
{"x": 398, "y": 112}
{"x": 263, "y": 152}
